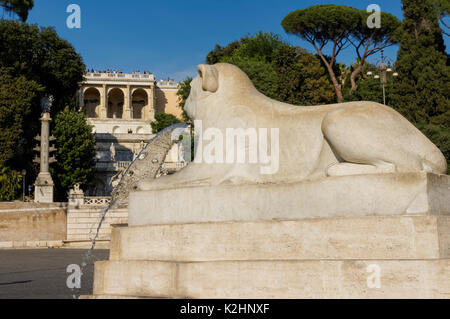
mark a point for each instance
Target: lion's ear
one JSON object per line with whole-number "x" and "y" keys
{"x": 209, "y": 76}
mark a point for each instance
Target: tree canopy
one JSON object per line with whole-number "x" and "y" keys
{"x": 75, "y": 153}
{"x": 17, "y": 95}
{"x": 322, "y": 25}
{"x": 184, "y": 89}
{"x": 36, "y": 57}
{"x": 422, "y": 90}
{"x": 19, "y": 7}
{"x": 278, "y": 70}
{"x": 337, "y": 26}
{"x": 163, "y": 120}
{"x": 42, "y": 56}
{"x": 369, "y": 41}
{"x": 10, "y": 184}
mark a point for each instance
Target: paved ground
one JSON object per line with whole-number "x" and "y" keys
{"x": 41, "y": 273}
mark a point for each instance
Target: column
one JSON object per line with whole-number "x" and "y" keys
{"x": 81, "y": 100}
{"x": 150, "y": 112}
{"x": 103, "y": 102}
{"x": 45, "y": 136}
{"x": 127, "y": 103}
{"x": 43, "y": 186}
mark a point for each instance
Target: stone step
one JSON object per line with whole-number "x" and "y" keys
{"x": 275, "y": 279}
{"x": 105, "y": 224}
{"x": 83, "y": 231}
{"x": 76, "y": 214}
{"x": 388, "y": 237}
{"x": 87, "y": 237}
{"x": 112, "y": 220}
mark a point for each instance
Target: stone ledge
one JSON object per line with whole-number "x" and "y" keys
{"x": 386, "y": 237}
{"x": 31, "y": 244}
{"x": 273, "y": 279}
{"x": 343, "y": 196}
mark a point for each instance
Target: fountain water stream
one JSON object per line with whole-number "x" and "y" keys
{"x": 146, "y": 165}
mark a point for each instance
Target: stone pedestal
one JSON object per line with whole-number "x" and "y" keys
{"x": 392, "y": 249}
{"x": 43, "y": 188}
{"x": 76, "y": 196}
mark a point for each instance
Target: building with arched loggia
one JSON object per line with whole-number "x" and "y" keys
{"x": 120, "y": 108}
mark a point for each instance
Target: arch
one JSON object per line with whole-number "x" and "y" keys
{"x": 139, "y": 102}
{"x": 91, "y": 99}
{"x": 137, "y": 89}
{"x": 116, "y": 130}
{"x": 89, "y": 88}
{"x": 116, "y": 99}
{"x": 140, "y": 130}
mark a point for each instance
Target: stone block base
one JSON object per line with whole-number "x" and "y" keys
{"x": 387, "y": 237}
{"x": 358, "y": 257}
{"x": 342, "y": 196}
{"x": 275, "y": 279}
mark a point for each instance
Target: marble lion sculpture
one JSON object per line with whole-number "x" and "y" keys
{"x": 314, "y": 141}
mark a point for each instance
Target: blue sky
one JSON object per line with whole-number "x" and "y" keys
{"x": 170, "y": 38}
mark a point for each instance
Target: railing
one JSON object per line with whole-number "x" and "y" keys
{"x": 112, "y": 166}
{"x": 119, "y": 75}
{"x": 122, "y": 165}
{"x": 97, "y": 201}
{"x": 170, "y": 84}
{"x": 173, "y": 166}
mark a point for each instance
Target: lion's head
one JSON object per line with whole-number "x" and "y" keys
{"x": 223, "y": 79}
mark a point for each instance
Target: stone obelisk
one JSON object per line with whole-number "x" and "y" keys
{"x": 44, "y": 183}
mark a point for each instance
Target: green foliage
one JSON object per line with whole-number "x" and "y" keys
{"x": 184, "y": 89}
{"x": 163, "y": 120}
{"x": 369, "y": 41}
{"x": 216, "y": 55}
{"x": 285, "y": 73}
{"x": 40, "y": 55}
{"x": 369, "y": 89}
{"x": 259, "y": 47}
{"x": 388, "y": 32}
{"x": 322, "y": 25}
{"x": 76, "y": 150}
{"x": 261, "y": 73}
{"x": 10, "y": 184}
{"x": 302, "y": 79}
{"x": 16, "y": 99}
{"x": 422, "y": 90}
{"x": 19, "y": 7}
{"x": 336, "y": 26}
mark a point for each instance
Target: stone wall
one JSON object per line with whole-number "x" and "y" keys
{"x": 83, "y": 220}
{"x": 32, "y": 225}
